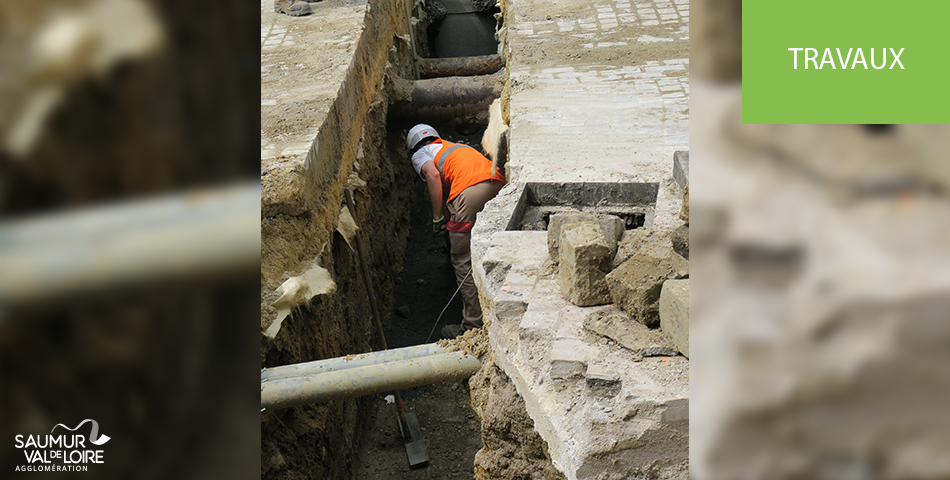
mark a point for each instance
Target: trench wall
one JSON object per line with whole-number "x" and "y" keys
{"x": 300, "y": 207}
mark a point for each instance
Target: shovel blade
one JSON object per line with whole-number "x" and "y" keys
{"x": 416, "y": 448}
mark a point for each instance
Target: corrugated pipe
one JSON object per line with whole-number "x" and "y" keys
{"x": 368, "y": 379}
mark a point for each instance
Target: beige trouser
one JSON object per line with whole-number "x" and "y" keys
{"x": 463, "y": 209}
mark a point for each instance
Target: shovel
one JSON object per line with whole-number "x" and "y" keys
{"x": 408, "y": 423}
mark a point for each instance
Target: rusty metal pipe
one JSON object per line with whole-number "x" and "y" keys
{"x": 447, "y": 100}
{"x": 350, "y": 361}
{"x": 367, "y": 380}
{"x": 460, "y": 66}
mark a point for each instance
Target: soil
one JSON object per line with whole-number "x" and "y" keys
{"x": 513, "y": 448}
{"x": 450, "y": 426}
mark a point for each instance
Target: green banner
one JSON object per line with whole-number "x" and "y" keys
{"x": 845, "y": 61}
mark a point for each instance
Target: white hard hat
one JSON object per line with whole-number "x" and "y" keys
{"x": 418, "y": 133}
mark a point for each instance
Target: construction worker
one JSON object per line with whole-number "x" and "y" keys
{"x": 462, "y": 177}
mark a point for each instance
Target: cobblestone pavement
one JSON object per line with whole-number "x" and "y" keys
{"x": 600, "y": 94}
{"x": 303, "y": 62}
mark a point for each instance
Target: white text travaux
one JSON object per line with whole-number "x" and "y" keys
{"x": 811, "y": 55}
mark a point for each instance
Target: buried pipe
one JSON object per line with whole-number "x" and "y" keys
{"x": 367, "y": 380}
{"x": 184, "y": 235}
{"x": 460, "y": 66}
{"x": 350, "y": 361}
{"x": 448, "y": 100}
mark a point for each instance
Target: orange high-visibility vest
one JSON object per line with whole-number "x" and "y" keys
{"x": 461, "y": 166}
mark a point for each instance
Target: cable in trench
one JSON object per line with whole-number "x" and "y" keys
{"x": 447, "y": 306}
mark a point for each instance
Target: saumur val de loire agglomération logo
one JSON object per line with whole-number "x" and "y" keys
{"x": 64, "y": 452}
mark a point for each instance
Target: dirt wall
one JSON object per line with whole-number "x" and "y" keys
{"x": 512, "y": 450}
{"x": 300, "y": 210}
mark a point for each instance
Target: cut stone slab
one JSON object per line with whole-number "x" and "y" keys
{"x": 602, "y": 380}
{"x": 635, "y": 240}
{"x": 620, "y": 327}
{"x": 568, "y": 359}
{"x": 674, "y": 313}
{"x": 585, "y": 260}
{"x": 612, "y": 226}
{"x": 636, "y": 284}
{"x": 680, "y": 238}
{"x": 536, "y": 324}
{"x": 511, "y": 300}
{"x": 681, "y": 168}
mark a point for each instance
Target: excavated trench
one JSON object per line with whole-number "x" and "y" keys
{"x": 422, "y": 289}
{"x": 454, "y": 98}
{"x": 458, "y": 73}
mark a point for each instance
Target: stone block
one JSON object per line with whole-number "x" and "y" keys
{"x": 585, "y": 260}
{"x": 674, "y": 313}
{"x": 568, "y": 359}
{"x": 603, "y": 381}
{"x": 681, "y": 168}
{"x": 680, "y": 240}
{"x": 629, "y": 243}
{"x": 612, "y": 226}
{"x": 636, "y": 284}
{"x": 620, "y": 327}
{"x": 684, "y": 210}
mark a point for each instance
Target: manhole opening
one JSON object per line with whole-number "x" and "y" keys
{"x": 633, "y": 202}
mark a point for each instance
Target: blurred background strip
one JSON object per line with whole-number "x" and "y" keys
{"x": 820, "y": 295}
{"x": 129, "y": 233}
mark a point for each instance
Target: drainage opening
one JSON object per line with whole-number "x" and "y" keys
{"x": 633, "y": 202}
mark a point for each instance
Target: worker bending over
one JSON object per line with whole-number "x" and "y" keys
{"x": 464, "y": 177}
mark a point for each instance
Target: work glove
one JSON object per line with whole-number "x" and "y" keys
{"x": 438, "y": 225}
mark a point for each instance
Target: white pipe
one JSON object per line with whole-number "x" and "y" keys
{"x": 349, "y": 361}
{"x": 367, "y": 380}
{"x": 192, "y": 233}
